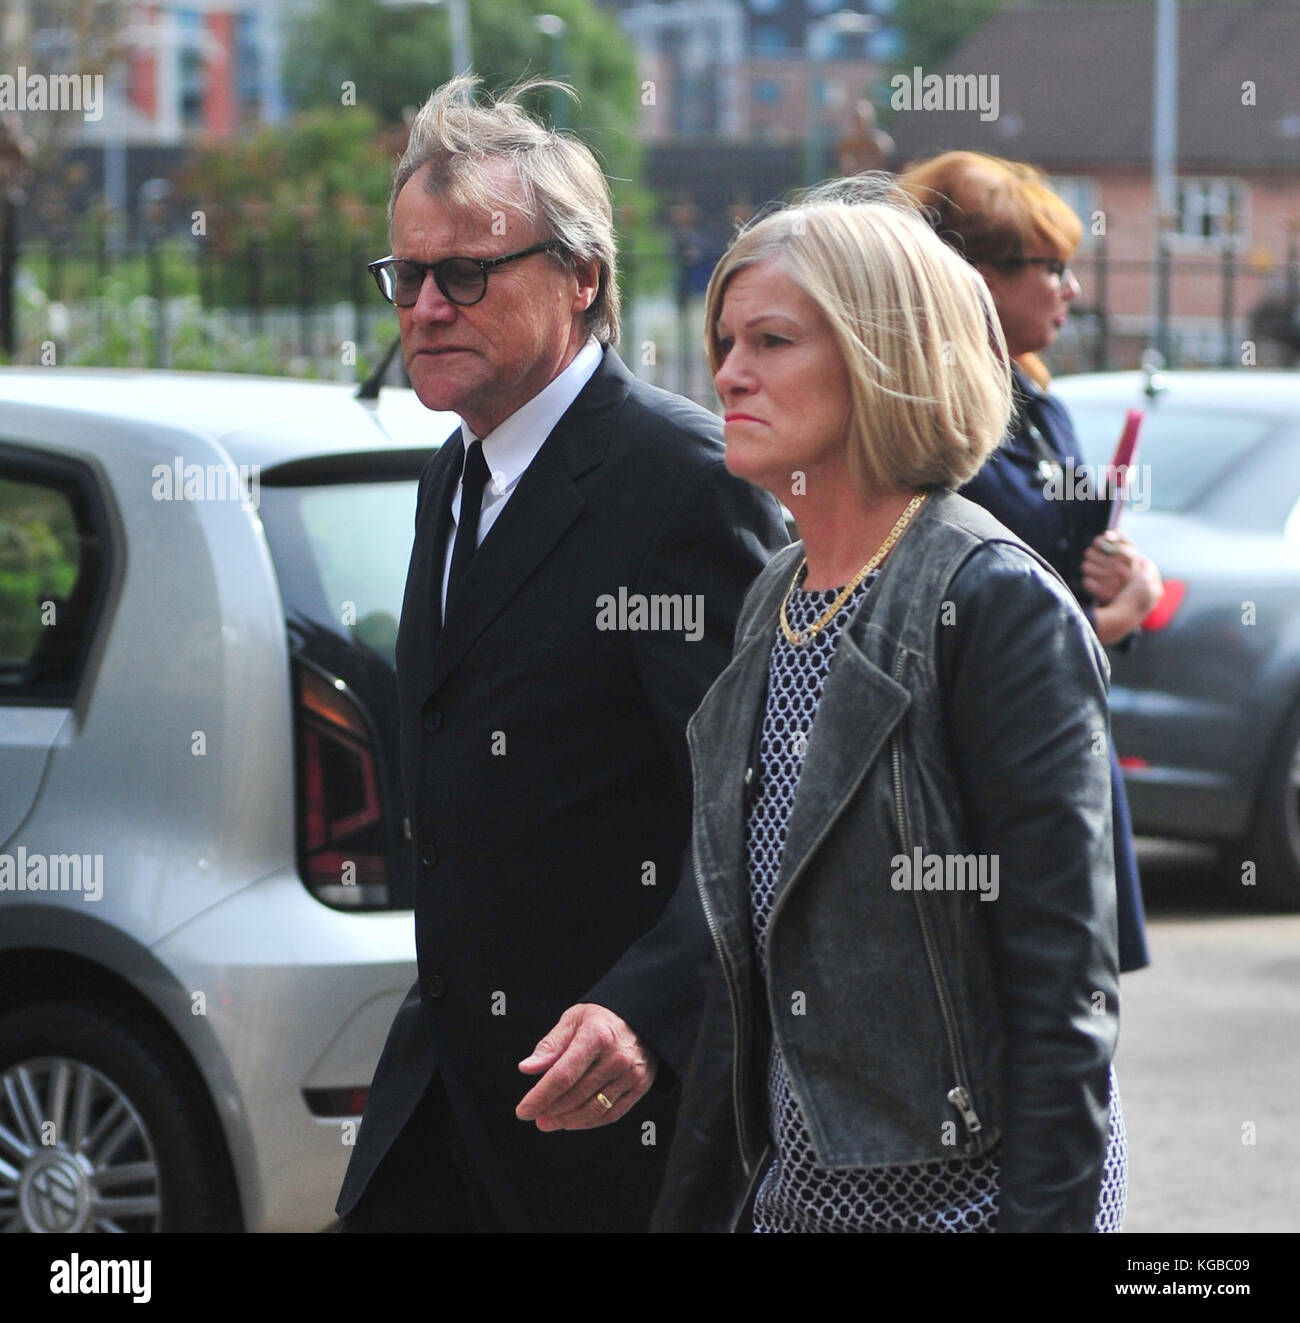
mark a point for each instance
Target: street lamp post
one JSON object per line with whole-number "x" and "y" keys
{"x": 554, "y": 27}
{"x": 151, "y": 203}
{"x": 115, "y": 146}
{"x": 1164, "y": 156}
{"x": 15, "y": 152}
{"x": 457, "y": 18}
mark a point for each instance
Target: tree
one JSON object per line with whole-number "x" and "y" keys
{"x": 357, "y": 71}
{"x": 84, "y": 39}
{"x": 391, "y": 58}
{"x": 316, "y": 186}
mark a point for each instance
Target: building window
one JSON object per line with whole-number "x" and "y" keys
{"x": 1080, "y": 194}
{"x": 193, "y": 73}
{"x": 696, "y": 88}
{"x": 767, "y": 92}
{"x": 885, "y": 44}
{"x": 1210, "y": 211}
{"x": 769, "y": 39}
{"x": 248, "y": 61}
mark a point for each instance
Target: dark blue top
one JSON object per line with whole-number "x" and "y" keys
{"x": 1010, "y": 487}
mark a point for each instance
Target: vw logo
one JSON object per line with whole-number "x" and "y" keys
{"x": 54, "y": 1195}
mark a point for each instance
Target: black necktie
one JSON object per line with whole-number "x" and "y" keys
{"x": 473, "y": 479}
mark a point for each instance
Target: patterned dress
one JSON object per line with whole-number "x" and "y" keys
{"x": 956, "y": 1194}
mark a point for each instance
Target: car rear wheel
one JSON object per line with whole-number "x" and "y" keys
{"x": 102, "y": 1128}
{"x": 1274, "y": 846}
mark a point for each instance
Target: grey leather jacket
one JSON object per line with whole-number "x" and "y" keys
{"x": 965, "y": 714}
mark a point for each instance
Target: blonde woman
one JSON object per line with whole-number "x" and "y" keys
{"x": 902, "y": 814}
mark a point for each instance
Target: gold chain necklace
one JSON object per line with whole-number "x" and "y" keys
{"x": 799, "y": 640}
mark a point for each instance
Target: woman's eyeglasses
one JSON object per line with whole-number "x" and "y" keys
{"x": 462, "y": 280}
{"x": 1054, "y": 266}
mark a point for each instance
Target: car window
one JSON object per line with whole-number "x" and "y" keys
{"x": 49, "y": 581}
{"x": 1187, "y": 451}
{"x": 341, "y": 552}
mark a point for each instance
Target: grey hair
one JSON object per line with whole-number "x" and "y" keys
{"x": 454, "y": 137}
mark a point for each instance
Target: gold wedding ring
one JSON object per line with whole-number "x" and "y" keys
{"x": 604, "y": 1102}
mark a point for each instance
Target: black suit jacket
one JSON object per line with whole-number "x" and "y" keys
{"x": 548, "y": 782}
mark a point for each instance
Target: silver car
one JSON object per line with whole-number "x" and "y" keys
{"x": 1206, "y": 706}
{"x": 205, "y": 925}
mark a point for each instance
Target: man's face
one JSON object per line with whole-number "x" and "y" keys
{"x": 483, "y": 362}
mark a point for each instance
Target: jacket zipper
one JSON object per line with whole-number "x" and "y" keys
{"x": 960, "y": 1095}
{"x": 734, "y": 1002}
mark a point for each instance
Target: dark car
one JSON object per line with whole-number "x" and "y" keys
{"x": 1206, "y": 706}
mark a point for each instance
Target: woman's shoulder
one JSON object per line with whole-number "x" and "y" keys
{"x": 971, "y": 525}
{"x": 992, "y": 560}
{"x": 1006, "y": 603}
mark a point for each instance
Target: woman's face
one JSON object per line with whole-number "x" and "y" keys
{"x": 1032, "y": 303}
{"x": 783, "y": 386}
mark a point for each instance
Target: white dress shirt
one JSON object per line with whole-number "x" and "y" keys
{"x": 513, "y": 445}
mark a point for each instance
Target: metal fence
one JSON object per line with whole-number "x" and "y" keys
{"x": 314, "y": 311}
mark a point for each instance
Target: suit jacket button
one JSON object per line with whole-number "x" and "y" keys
{"x": 432, "y": 719}
{"x": 428, "y": 856}
{"x": 435, "y": 985}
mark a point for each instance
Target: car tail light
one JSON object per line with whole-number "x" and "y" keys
{"x": 1134, "y": 764}
{"x": 335, "y": 1102}
{"x": 1163, "y": 611}
{"x": 340, "y": 811}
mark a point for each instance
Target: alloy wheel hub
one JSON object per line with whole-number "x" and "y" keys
{"x": 75, "y": 1154}
{"x": 54, "y": 1192}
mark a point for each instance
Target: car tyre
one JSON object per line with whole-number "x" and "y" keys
{"x": 1274, "y": 843}
{"x": 140, "y": 1149}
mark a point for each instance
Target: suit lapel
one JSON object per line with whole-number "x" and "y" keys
{"x": 538, "y": 514}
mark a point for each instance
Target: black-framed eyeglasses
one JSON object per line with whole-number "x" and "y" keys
{"x": 462, "y": 280}
{"x": 1054, "y": 266}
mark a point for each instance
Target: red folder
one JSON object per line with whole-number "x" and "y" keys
{"x": 1123, "y": 458}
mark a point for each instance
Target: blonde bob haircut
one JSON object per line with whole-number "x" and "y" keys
{"x": 929, "y": 381}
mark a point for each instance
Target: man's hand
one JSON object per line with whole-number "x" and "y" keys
{"x": 590, "y": 1054}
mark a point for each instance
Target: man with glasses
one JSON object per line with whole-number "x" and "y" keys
{"x": 580, "y": 558}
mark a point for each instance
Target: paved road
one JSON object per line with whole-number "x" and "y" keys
{"x": 1210, "y": 1045}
